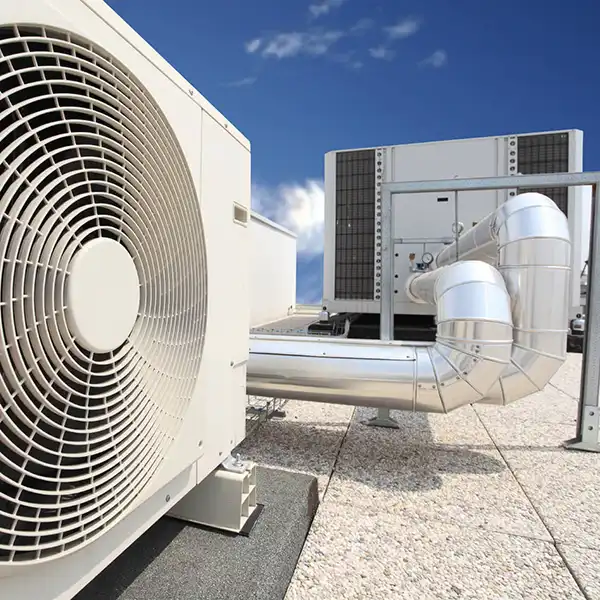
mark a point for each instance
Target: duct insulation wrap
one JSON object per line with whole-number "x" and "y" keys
{"x": 527, "y": 239}
{"x": 472, "y": 349}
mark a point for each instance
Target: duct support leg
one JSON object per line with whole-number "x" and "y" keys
{"x": 588, "y": 423}
{"x": 383, "y": 419}
{"x": 225, "y": 500}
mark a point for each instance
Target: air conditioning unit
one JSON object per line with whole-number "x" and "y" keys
{"x": 424, "y": 223}
{"x": 124, "y": 203}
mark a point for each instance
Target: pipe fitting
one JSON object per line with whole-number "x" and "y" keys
{"x": 472, "y": 349}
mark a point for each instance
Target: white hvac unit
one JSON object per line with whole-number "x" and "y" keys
{"x": 124, "y": 203}
{"x": 424, "y": 223}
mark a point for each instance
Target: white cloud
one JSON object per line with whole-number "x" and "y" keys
{"x": 403, "y": 29}
{"x": 314, "y": 42}
{"x": 300, "y": 208}
{"x": 348, "y": 59}
{"x": 438, "y": 59}
{"x": 287, "y": 45}
{"x": 324, "y": 7}
{"x": 253, "y": 45}
{"x": 381, "y": 53}
{"x": 362, "y": 25}
{"x": 242, "y": 82}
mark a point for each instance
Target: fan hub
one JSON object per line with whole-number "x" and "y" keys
{"x": 103, "y": 295}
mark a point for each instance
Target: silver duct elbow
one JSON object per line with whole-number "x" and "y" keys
{"x": 472, "y": 349}
{"x": 527, "y": 238}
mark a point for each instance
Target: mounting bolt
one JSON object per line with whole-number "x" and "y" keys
{"x": 168, "y": 498}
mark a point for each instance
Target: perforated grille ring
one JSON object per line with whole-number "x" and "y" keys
{"x": 102, "y": 291}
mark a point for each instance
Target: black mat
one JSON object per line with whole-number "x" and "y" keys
{"x": 176, "y": 561}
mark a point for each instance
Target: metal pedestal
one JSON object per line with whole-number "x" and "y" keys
{"x": 225, "y": 500}
{"x": 383, "y": 419}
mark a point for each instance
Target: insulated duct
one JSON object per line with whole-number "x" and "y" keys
{"x": 472, "y": 349}
{"x": 527, "y": 238}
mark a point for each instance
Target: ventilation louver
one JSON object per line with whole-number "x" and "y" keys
{"x": 103, "y": 291}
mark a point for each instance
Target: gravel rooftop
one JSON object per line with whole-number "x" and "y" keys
{"x": 481, "y": 503}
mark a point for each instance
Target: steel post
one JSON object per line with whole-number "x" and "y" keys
{"x": 386, "y": 312}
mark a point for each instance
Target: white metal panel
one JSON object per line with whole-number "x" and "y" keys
{"x": 424, "y": 216}
{"x": 225, "y": 180}
{"x": 442, "y": 160}
{"x": 329, "y": 229}
{"x": 272, "y": 271}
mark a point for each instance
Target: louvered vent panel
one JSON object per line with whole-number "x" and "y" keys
{"x": 545, "y": 153}
{"x": 355, "y": 225}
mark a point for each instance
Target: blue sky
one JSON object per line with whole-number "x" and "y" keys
{"x": 302, "y": 77}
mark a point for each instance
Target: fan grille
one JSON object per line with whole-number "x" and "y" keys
{"x": 86, "y": 154}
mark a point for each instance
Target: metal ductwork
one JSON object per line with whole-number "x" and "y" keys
{"x": 502, "y": 316}
{"x": 528, "y": 239}
{"x": 472, "y": 349}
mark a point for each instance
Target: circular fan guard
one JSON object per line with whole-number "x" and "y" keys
{"x": 87, "y": 157}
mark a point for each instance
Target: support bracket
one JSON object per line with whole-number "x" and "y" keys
{"x": 225, "y": 500}
{"x": 589, "y": 431}
{"x": 383, "y": 419}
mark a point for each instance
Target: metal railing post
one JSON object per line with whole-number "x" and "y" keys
{"x": 587, "y": 436}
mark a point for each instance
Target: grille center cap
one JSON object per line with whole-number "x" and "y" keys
{"x": 102, "y": 295}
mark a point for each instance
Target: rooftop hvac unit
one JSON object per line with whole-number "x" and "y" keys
{"x": 122, "y": 373}
{"x": 424, "y": 223}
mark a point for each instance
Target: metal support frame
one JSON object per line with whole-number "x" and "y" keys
{"x": 386, "y": 323}
{"x": 588, "y": 426}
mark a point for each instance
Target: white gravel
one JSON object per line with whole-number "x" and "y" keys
{"x": 352, "y": 556}
{"x": 448, "y": 506}
{"x": 307, "y": 440}
{"x": 584, "y": 563}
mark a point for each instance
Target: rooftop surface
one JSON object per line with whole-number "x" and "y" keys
{"x": 483, "y": 503}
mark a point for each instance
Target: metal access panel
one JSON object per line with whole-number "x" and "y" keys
{"x": 353, "y": 179}
{"x": 434, "y": 219}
